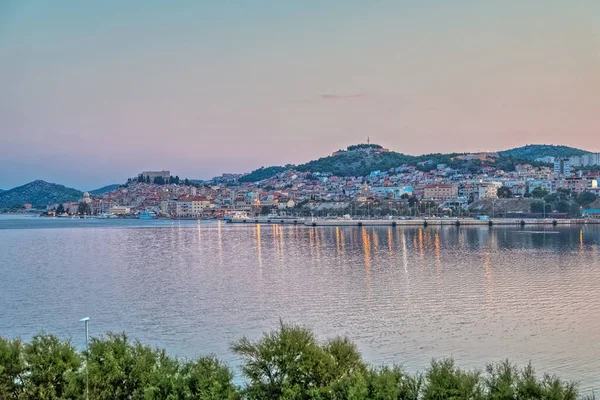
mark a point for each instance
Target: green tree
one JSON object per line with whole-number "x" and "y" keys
{"x": 147, "y": 178}
{"x": 393, "y": 383}
{"x": 265, "y": 210}
{"x": 563, "y": 206}
{"x": 574, "y": 210}
{"x": 289, "y": 363}
{"x": 60, "y": 209}
{"x": 119, "y": 369}
{"x": 51, "y": 367}
{"x": 208, "y": 378}
{"x": 443, "y": 380}
{"x": 538, "y": 207}
{"x": 538, "y": 192}
{"x": 586, "y": 198}
{"x": 504, "y": 192}
{"x": 12, "y": 369}
{"x": 84, "y": 209}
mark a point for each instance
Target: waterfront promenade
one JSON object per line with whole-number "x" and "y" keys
{"x": 413, "y": 222}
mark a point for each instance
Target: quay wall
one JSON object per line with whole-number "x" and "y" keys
{"x": 414, "y": 222}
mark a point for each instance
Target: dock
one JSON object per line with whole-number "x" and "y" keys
{"x": 412, "y": 222}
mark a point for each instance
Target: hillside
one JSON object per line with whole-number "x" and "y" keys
{"x": 362, "y": 159}
{"x": 104, "y": 189}
{"x": 533, "y": 151}
{"x": 39, "y": 194}
{"x": 261, "y": 173}
{"x": 357, "y": 162}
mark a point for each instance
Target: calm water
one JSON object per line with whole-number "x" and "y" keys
{"x": 403, "y": 294}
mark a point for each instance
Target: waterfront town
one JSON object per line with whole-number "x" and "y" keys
{"x": 426, "y": 189}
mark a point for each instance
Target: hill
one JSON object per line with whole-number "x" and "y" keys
{"x": 39, "y": 194}
{"x": 534, "y": 151}
{"x": 362, "y": 159}
{"x": 104, "y": 189}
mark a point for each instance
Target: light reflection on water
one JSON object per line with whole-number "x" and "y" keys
{"x": 403, "y": 294}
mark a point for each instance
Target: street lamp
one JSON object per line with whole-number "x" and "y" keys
{"x": 87, "y": 356}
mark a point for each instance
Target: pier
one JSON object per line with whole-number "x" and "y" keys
{"x": 413, "y": 222}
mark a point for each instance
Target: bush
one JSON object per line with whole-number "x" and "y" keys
{"x": 287, "y": 363}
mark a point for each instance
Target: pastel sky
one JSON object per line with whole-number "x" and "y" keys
{"x": 92, "y": 92}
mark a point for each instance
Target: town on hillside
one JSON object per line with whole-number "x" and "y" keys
{"x": 557, "y": 188}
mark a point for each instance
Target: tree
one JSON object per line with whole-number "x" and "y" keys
{"x": 551, "y": 198}
{"x": 12, "y": 369}
{"x": 404, "y": 196}
{"x": 140, "y": 178}
{"x": 538, "y": 207}
{"x": 159, "y": 180}
{"x": 504, "y": 192}
{"x": 586, "y": 198}
{"x": 51, "y": 365}
{"x": 563, "y": 206}
{"x": 265, "y": 210}
{"x": 84, "y": 209}
{"x": 187, "y": 182}
{"x": 574, "y": 210}
{"x": 208, "y": 378}
{"x": 147, "y": 178}
{"x": 445, "y": 381}
{"x": 538, "y": 192}
{"x": 60, "y": 209}
{"x": 289, "y": 363}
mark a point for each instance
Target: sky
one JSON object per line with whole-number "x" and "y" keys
{"x": 94, "y": 92}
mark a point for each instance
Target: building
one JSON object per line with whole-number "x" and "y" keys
{"x": 577, "y": 185}
{"x": 591, "y": 213}
{"x": 585, "y": 160}
{"x": 119, "y": 210}
{"x": 488, "y": 190}
{"x": 440, "y": 192}
{"x": 562, "y": 167}
{"x": 156, "y": 174}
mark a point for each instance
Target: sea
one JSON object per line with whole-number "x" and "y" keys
{"x": 404, "y": 295}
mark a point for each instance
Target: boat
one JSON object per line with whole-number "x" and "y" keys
{"x": 147, "y": 215}
{"x": 239, "y": 215}
{"x": 107, "y": 216}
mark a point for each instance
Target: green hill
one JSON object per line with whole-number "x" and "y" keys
{"x": 104, "y": 189}
{"x": 533, "y": 151}
{"x": 39, "y": 194}
{"x": 261, "y": 173}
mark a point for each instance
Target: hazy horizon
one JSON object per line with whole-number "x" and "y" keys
{"x": 96, "y": 92}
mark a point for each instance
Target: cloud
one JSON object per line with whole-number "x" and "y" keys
{"x": 330, "y": 96}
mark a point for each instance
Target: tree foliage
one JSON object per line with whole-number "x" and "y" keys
{"x": 586, "y": 198}
{"x": 84, "y": 209}
{"x": 538, "y": 192}
{"x": 286, "y": 363}
{"x": 504, "y": 192}
{"x": 261, "y": 174}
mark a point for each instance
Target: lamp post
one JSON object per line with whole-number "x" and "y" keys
{"x": 87, "y": 380}
{"x": 544, "y": 209}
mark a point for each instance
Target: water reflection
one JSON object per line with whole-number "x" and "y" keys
{"x": 404, "y": 294}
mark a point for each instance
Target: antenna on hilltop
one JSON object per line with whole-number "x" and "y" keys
{"x": 368, "y": 140}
